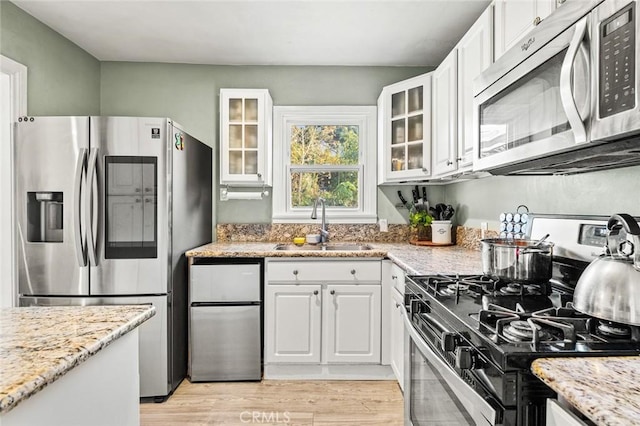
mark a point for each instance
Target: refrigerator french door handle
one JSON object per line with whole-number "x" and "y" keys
{"x": 566, "y": 91}
{"x": 91, "y": 206}
{"x": 81, "y": 252}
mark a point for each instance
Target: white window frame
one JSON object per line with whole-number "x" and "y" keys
{"x": 362, "y": 116}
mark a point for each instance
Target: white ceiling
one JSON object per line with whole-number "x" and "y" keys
{"x": 262, "y": 32}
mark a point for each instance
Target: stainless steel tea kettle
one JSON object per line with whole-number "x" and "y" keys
{"x": 609, "y": 288}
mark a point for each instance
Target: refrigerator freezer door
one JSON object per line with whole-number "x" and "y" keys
{"x": 130, "y": 206}
{"x": 153, "y": 336}
{"x": 225, "y": 343}
{"x": 225, "y": 283}
{"x": 50, "y": 155}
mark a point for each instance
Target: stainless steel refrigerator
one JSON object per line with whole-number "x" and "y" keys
{"x": 105, "y": 209}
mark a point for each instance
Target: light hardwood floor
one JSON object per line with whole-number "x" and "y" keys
{"x": 279, "y": 402}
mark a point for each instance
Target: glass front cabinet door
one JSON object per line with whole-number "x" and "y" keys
{"x": 404, "y": 130}
{"x": 245, "y": 137}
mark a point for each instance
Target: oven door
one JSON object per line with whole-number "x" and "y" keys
{"x": 539, "y": 107}
{"x": 435, "y": 394}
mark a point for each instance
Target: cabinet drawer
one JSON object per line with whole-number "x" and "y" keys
{"x": 323, "y": 271}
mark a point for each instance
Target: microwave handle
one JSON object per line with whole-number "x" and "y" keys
{"x": 566, "y": 91}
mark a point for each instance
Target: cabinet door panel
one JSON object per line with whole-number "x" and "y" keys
{"x": 445, "y": 113}
{"x": 245, "y": 137}
{"x": 292, "y": 323}
{"x": 475, "y": 54}
{"x": 352, "y": 323}
{"x": 515, "y": 18}
{"x": 397, "y": 336}
{"x": 404, "y": 130}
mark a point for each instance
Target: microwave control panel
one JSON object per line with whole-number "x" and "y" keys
{"x": 618, "y": 62}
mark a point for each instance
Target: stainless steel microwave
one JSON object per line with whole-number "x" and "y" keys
{"x": 565, "y": 100}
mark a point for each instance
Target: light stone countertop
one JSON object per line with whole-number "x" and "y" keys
{"x": 604, "y": 389}
{"x": 38, "y": 345}
{"x": 413, "y": 259}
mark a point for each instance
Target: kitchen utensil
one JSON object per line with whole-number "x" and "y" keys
{"x": 541, "y": 240}
{"x": 609, "y": 288}
{"x": 440, "y": 208}
{"x": 424, "y": 195}
{"x": 448, "y": 212}
{"x": 517, "y": 260}
{"x": 433, "y": 212}
{"x": 415, "y": 194}
{"x": 403, "y": 200}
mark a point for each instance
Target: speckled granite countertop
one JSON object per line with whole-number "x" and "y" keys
{"x": 41, "y": 344}
{"x": 413, "y": 259}
{"x": 606, "y": 390}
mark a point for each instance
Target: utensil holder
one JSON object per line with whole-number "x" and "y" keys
{"x": 441, "y": 232}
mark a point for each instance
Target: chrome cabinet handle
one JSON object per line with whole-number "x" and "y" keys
{"x": 424, "y": 169}
{"x": 397, "y": 305}
{"x": 449, "y": 162}
{"x": 394, "y": 277}
{"x": 537, "y": 21}
{"x": 315, "y": 292}
{"x": 459, "y": 159}
{"x": 353, "y": 272}
{"x": 295, "y": 272}
{"x": 332, "y": 292}
{"x": 566, "y": 91}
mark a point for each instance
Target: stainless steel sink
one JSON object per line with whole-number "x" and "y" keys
{"x": 327, "y": 247}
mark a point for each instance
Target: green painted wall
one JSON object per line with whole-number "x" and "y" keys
{"x": 596, "y": 193}
{"x": 189, "y": 95}
{"x": 62, "y": 79}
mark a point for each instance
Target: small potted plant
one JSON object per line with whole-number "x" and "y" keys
{"x": 420, "y": 221}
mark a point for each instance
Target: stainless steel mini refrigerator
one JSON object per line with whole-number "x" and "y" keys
{"x": 225, "y": 321}
{"x": 105, "y": 209}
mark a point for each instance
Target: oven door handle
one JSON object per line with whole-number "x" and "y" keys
{"x": 566, "y": 92}
{"x": 479, "y": 409}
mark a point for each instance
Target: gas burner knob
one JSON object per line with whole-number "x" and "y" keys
{"x": 449, "y": 341}
{"x": 465, "y": 358}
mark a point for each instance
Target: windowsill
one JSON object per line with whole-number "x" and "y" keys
{"x": 304, "y": 218}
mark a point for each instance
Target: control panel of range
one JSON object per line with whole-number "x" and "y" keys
{"x": 617, "y": 62}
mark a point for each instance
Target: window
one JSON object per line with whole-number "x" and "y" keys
{"x": 327, "y": 152}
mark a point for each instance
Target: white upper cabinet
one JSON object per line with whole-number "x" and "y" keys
{"x": 475, "y": 54}
{"x": 452, "y": 94}
{"x": 515, "y": 18}
{"x": 444, "y": 115}
{"x": 404, "y": 130}
{"x": 245, "y": 137}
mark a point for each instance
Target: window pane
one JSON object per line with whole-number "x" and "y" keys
{"x": 325, "y": 144}
{"x": 339, "y": 189}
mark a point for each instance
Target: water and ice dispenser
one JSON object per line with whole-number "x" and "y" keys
{"x": 44, "y": 217}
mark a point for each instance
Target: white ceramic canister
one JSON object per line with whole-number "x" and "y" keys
{"x": 441, "y": 231}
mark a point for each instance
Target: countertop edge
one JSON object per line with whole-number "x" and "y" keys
{"x": 66, "y": 364}
{"x": 595, "y": 386}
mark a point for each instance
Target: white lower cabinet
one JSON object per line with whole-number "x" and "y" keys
{"x": 309, "y": 319}
{"x": 397, "y": 336}
{"x": 557, "y": 415}
{"x": 351, "y": 323}
{"x": 293, "y": 317}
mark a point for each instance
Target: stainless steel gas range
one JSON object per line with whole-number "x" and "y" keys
{"x": 470, "y": 340}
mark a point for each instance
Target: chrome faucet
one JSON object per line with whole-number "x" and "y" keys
{"x": 324, "y": 234}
